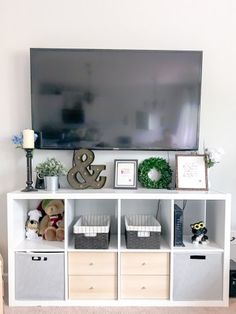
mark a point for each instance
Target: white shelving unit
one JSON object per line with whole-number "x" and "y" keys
{"x": 155, "y": 284}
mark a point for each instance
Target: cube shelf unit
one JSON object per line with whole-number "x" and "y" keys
{"x": 117, "y": 275}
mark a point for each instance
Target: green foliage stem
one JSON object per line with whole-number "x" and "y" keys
{"x": 50, "y": 167}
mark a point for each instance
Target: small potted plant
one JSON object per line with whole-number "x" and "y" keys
{"x": 50, "y": 170}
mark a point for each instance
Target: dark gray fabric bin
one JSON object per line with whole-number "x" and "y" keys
{"x": 39, "y": 276}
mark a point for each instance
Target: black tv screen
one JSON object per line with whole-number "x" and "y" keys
{"x": 116, "y": 99}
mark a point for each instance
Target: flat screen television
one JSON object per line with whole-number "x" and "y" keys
{"x": 116, "y": 99}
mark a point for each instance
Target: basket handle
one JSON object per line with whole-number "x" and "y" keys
{"x": 91, "y": 235}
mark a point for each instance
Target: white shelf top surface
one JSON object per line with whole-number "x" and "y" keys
{"x": 189, "y": 246}
{"x": 40, "y": 245}
{"x": 140, "y": 193}
{"x": 43, "y": 245}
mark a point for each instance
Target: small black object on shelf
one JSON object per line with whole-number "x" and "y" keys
{"x": 29, "y": 187}
{"x": 39, "y": 184}
{"x": 178, "y": 226}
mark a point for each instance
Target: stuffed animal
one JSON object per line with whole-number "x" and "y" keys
{"x": 52, "y": 225}
{"x": 32, "y": 224}
{"x": 199, "y": 230}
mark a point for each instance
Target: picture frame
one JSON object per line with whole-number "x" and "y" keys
{"x": 125, "y": 173}
{"x": 191, "y": 172}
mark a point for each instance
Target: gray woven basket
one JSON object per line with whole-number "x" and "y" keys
{"x": 101, "y": 241}
{"x": 135, "y": 242}
{"x": 92, "y": 232}
{"x": 142, "y": 232}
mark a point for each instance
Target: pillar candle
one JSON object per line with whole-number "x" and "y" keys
{"x": 28, "y": 139}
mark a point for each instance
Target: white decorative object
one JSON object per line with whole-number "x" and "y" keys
{"x": 191, "y": 172}
{"x": 213, "y": 156}
{"x": 125, "y": 174}
{"x": 28, "y": 139}
{"x": 32, "y": 235}
{"x": 32, "y": 225}
{"x": 34, "y": 214}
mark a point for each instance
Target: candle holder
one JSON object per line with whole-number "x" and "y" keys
{"x": 29, "y": 182}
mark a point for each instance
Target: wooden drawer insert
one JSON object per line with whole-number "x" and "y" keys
{"x": 144, "y": 263}
{"x": 92, "y": 263}
{"x": 93, "y": 287}
{"x": 144, "y": 287}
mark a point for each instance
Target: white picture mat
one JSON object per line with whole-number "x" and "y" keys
{"x": 191, "y": 172}
{"x": 125, "y": 173}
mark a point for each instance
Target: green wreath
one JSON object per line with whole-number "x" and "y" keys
{"x": 159, "y": 164}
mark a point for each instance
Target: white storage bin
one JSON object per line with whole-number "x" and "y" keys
{"x": 198, "y": 276}
{"x": 40, "y": 276}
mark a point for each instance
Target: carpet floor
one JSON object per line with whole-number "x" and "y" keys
{"x": 122, "y": 310}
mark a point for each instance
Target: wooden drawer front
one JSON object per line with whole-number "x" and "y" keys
{"x": 145, "y": 287}
{"x": 92, "y": 287}
{"x": 145, "y": 263}
{"x": 98, "y": 263}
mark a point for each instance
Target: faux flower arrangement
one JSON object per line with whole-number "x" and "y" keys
{"x": 51, "y": 167}
{"x": 213, "y": 156}
{"x": 18, "y": 139}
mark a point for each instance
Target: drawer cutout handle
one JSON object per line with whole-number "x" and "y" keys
{"x": 36, "y": 258}
{"x": 143, "y": 288}
{"x": 197, "y": 256}
{"x": 91, "y": 288}
{"x": 144, "y": 264}
{"x": 91, "y": 264}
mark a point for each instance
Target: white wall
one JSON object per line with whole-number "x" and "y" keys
{"x": 207, "y": 25}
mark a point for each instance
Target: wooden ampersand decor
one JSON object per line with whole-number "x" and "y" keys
{"x": 89, "y": 174}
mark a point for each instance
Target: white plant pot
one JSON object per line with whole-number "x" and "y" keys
{"x": 51, "y": 183}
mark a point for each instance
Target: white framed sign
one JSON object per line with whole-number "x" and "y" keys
{"x": 125, "y": 174}
{"x": 191, "y": 172}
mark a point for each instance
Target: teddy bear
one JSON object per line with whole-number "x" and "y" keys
{"x": 32, "y": 225}
{"x": 51, "y": 226}
{"x": 199, "y": 233}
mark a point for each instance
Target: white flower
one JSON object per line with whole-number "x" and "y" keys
{"x": 216, "y": 154}
{"x": 213, "y": 156}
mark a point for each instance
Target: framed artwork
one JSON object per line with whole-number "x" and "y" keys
{"x": 125, "y": 173}
{"x": 191, "y": 172}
